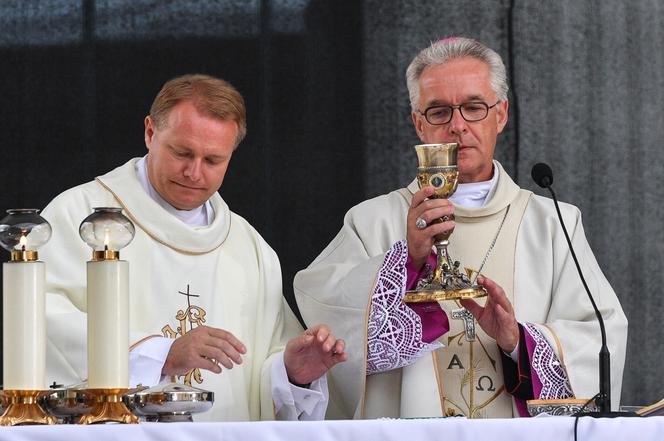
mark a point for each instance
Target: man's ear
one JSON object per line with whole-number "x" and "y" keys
{"x": 149, "y": 131}
{"x": 502, "y": 112}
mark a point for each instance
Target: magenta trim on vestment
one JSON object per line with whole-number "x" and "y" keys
{"x": 434, "y": 320}
{"x": 548, "y": 376}
{"x": 394, "y": 331}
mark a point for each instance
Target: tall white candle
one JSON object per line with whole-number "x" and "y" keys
{"x": 23, "y": 326}
{"x": 108, "y": 324}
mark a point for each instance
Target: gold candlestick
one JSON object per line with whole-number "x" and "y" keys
{"x": 107, "y": 231}
{"x": 24, "y": 346}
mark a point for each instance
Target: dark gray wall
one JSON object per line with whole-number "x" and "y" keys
{"x": 79, "y": 77}
{"x": 329, "y": 120}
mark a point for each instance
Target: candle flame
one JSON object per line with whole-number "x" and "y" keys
{"x": 23, "y": 242}
{"x": 106, "y": 239}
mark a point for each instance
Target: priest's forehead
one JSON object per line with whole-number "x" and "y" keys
{"x": 211, "y": 96}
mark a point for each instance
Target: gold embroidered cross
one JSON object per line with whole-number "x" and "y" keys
{"x": 194, "y": 316}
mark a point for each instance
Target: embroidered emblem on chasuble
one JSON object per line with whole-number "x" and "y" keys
{"x": 471, "y": 372}
{"x": 191, "y": 317}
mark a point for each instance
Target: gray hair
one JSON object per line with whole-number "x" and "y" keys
{"x": 442, "y": 51}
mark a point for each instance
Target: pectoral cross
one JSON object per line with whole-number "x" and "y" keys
{"x": 468, "y": 322}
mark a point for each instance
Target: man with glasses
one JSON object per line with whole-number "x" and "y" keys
{"x": 537, "y": 336}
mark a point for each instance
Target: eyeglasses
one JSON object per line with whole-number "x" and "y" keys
{"x": 471, "y": 111}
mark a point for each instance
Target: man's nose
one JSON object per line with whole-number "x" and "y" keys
{"x": 193, "y": 169}
{"x": 457, "y": 124}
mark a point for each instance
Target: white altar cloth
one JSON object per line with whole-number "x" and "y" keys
{"x": 459, "y": 429}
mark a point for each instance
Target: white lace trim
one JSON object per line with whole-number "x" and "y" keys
{"x": 547, "y": 366}
{"x": 394, "y": 330}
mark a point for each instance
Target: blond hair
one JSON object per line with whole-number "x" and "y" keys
{"x": 211, "y": 96}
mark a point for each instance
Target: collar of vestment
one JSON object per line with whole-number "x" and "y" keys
{"x": 474, "y": 194}
{"x": 499, "y": 197}
{"x": 162, "y": 226}
{"x": 197, "y": 217}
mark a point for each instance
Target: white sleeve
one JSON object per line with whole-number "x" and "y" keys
{"x": 297, "y": 403}
{"x": 514, "y": 355}
{"x": 147, "y": 360}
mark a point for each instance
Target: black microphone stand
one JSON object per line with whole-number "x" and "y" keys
{"x": 603, "y": 398}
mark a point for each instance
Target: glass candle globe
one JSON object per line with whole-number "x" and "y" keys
{"x": 23, "y": 231}
{"x": 107, "y": 230}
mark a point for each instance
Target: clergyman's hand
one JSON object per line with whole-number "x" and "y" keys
{"x": 309, "y": 355}
{"x": 206, "y": 348}
{"x": 496, "y": 317}
{"x": 420, "y": 241}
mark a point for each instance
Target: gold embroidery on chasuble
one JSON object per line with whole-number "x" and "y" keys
{"x": 471, "y": 372}
{"x": 187, "y": 320}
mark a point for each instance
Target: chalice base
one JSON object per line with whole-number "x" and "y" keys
{"x": 433, "y": 293}
{"x": 108, "y": 408}
{"x": 23, "y": 408}
{"x": 445, "y": 282}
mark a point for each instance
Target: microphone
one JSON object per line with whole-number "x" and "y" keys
{"x": 543, "y": 176}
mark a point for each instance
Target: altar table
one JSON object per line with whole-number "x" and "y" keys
{"x": 456, "y": 429}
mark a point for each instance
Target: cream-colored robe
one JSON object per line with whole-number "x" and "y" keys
{"x": 233, "y": 272}
{"x": 530, "y": 261}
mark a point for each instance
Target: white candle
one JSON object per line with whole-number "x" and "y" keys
{"x": 23, "y": 326}
{"x": 108, "y": 324}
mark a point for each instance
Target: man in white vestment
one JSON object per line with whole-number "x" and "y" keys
{"x": 205, "y": 288}
{"x": 538, "y": 337}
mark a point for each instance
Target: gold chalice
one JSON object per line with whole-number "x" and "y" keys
{"x": 438, "y": 169}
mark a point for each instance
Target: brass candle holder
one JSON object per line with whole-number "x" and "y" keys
{"x": 23, "y": 408}
{"x": 108, "y": 407}
{"x": 438, "y": 169}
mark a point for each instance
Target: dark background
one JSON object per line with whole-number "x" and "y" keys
{"x": 328, "y": 113}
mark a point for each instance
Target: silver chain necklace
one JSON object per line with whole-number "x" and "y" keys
{"x": 493, "y": 243}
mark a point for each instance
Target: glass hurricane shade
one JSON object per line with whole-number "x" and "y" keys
{"x": 107, "y": 229}
{"x": 23, "y": 229}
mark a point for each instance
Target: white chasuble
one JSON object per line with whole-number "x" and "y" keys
{"x": 530, "y": 261}
{"x": 468, "y": 373}
{"x": 224, "y": 275}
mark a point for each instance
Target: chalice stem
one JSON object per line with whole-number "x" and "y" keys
{"x": 442, "y": 258}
